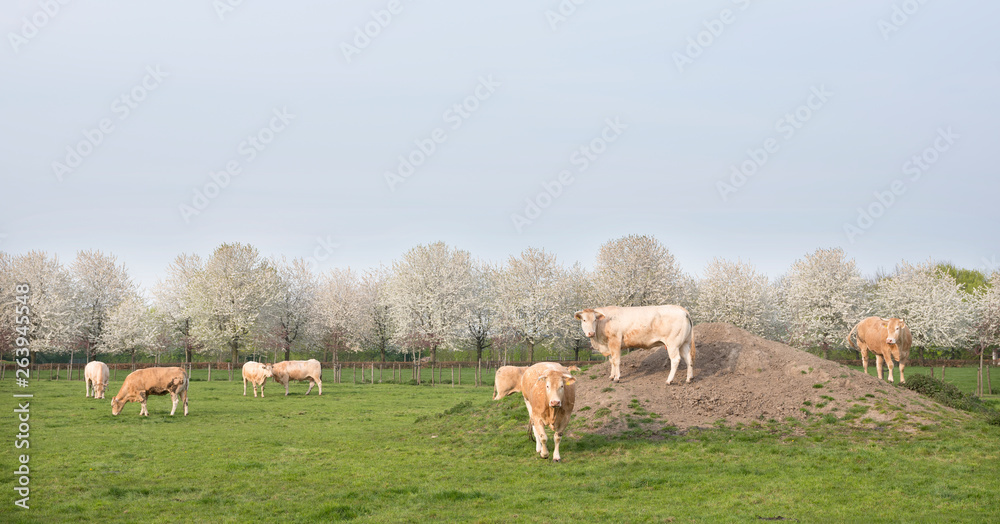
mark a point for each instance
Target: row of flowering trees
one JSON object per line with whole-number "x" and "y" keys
{"x": 435, "y": 297}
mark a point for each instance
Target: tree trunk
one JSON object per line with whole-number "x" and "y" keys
{"x": 826, "y": 350}
{"x": 234, "y": 349}
{"x": 531, "y": 352}
{"x": 187, "y": 353}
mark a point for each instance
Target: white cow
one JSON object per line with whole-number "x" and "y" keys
{"x": 298, "y": 370}
{"x": 612, "y": 328}
{"x": 96, "y": 378}
{"x": 257, "y": 374}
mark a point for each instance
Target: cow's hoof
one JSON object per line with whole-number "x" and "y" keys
{"x": 556, "y": 460}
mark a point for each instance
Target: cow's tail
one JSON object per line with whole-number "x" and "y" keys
{"x": 850, "y": 343}
{"x": 691, "y": 324}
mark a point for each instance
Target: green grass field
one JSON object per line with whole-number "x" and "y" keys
{"x": 404, "y": 453}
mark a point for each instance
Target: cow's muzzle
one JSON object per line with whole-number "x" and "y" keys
{"x": 591, "y": 334}
{"x": 555, "y": 403}
{"x": 890, "y": 341}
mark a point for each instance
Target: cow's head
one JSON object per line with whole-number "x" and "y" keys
{"x": 117, "y": 405}
{"x": 893, "y": 327}
{"x": 555, "y": 386}
{"x": 588, "y": 321}
{"x": 268, "y": 370}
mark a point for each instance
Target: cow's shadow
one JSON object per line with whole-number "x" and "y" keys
{"x": 713, "y": 359}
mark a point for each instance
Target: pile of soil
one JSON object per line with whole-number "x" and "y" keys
{"x": 741, "y": 378}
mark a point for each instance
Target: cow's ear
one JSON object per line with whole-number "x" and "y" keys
{"x": 541, "y": 378}
{"x": 598, "y": 315}
{"x": 578, "y": 315}
{"x": 568, "y": 379}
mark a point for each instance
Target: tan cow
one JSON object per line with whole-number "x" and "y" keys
{"x": 257, "y": 374}
{"x": 888, "y": 338}
{"x": 299, "y": 370}
{"x": 141, "y": 383}
{"x": 96, "y": 376}
{"x": 612, "y": 328}
{"x": 507, "y": 380}
{"x": 549, "y": 394}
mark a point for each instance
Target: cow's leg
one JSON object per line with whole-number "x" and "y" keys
{"x": 540, "y": 439}
{"x": 675, "y": 360}
{"x": 686, "y": 353}
{"x": 531, "y": 431}
{"x": 902, "y": 366}
{"x": 86, "y": 384}
{"x": 185, "y": 393}
{"x": 311, "y": 384}
{"x": 615, "y": 347}
{"x": 245, "y": 388}
{"x": 864, "y": 356}
{"x": 173, "y": 400}
{"x": 319, "y": 384}
{"x": 286, "y": 388}
{"x": 889, "y": 365}
{"x": 556, "y": 437}
{"x": 142, "y": 400}
{"x": 878, "y": 364}
{"x": 255, "y": 389}
{"x": 262, "y": 388}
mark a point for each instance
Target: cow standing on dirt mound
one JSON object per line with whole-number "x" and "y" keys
{"x": 888, "y": 338}
{"x": 549, "y": 394}
{"x": 299, "y": 370}
{"x": 612, "y": 328}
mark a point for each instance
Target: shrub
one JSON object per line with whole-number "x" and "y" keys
{"x": 951, "y": 396}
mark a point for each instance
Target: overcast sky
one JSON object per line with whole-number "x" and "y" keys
{"x": 633, "y": 114}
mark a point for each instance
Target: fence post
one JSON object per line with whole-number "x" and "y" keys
{"x": 459, "y": 374}
{"x": 209, "y": 371}
{"x": 942, "y": 371}
{"x": 453, "y": 376}
{"x": 354, "y": 374}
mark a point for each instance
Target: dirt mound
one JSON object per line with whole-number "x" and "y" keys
{"x": 741, "y": 378}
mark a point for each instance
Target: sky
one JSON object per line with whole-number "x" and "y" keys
{"x": 350, "y": 132}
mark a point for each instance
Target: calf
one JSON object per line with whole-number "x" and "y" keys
{"x": 612, "y": 328}
{"x": 141, "y": 383}
{"x": 300, "y": 370}
{"x": 549, "y": 394}
{"x": 96, "y": 378}
{"x": 888, "y": 338}
{"x": 257, "y": 374}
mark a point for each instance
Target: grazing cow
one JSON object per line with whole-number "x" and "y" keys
{"x": 141, "y": 383}
{"x": 549, "y": 394}
{"x": 298, "y": 370}
{"x": 257, "y": 374}
{"x": 612, "y": 328}
{"x": 888, "y": 338}
{"x": 96, "y": 378}
{"x": 508, "y": 379}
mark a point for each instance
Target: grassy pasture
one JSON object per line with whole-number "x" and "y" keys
{"x": 403, "y": 453}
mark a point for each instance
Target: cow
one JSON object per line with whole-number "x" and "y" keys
{"x": 257, "y": 374}
{"x": 95, "y": 377}
{"x": 888, "y": 338}
{"x": 612, "y": 328}
{"x": 298, "y": 370}
{"x": 507, "y": 380}
{"x": 141, "y": 383}
{"x": 549, "y": 394}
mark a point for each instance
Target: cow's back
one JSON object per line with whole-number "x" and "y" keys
{"x": 644, "y": 326}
